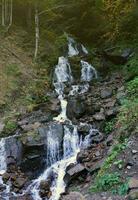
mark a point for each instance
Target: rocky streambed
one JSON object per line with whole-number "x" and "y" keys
{"x": 73, "y": 145}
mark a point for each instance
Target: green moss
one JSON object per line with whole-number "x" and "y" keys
{"x": 10, "y": 127}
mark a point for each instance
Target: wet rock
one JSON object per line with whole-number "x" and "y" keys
{"x": 74, "y": 171}
{"x": 24, "y": 197}
{"x": 13, "y": 150}
{"x": 54, "y": 106}
{"x": 109, "y": 140}
{"x": 111, "y": 112}
{"x": 99, "y": 117}
{"x": 5, "y": 177}
{"x": 19, "y": 182}
{"x": 35, "y": 116}
{"x": 82, "y": 156}
{"x": 109, "y": 104}
{"x": 106, "y": 93}
{"x": 73, "y": 196}
{"x": 33, "y": 150}
{"x": 133, "y": 195}
{"x": 97, "y": 138}
{"x": 30, "y": 127}
{"x": 45, "y": 189}
{"x": 116, "y": 59}
{"x": 93, "y": 167}
{"x": 2, "y": 187}
{"x": 75, "y": 108}
{"x": 33, "y": 138}
{"x": 133, "y": 183}
{"x": 84, "y": 129}
{"x": 35, "y": 147}
{"x": 1, "y": 127}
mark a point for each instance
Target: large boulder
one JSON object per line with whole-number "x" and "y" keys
{"x": 45, "y": 191}
{"x": 36, "y": 145}
{"x": 54, "y": 106}
{"x": 73, "y": 196}
{"x": 106, "y": 93}
{"x": 75, "y": 171}
{"x": 36, "y": 116}
{"x": 1, "y": 127}
{"x": 14, "y": 150}
{"x": 75, "y": 108}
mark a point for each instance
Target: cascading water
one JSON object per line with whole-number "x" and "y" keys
{"x": 71, "y": 142}
{"x": 3, "y": 165}
{"x": 53, "y": 147}
{"x": 62, "y": 76}
{"x": 3, "y": 168}
{"x": 72, "y": 48}
{"x": 57, "y": 160}
{"x": 88, "y": 72}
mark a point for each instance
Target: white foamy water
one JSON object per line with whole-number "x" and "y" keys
{"x": 3, "y": 168}
{"x": 58, "y": 169}
{"x": 3, "y": 165}
{"x": 72, "y": 48}
{"x": 62, "y": 76}
{"x": 79, "y": 89}
{"x": 88, "y": 72}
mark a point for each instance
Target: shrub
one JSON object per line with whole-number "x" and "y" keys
{"x": 108, "y": 128}
{"x": 128, "y": 117}
{"x": 10, "y": 127}
{"x": 132, "y": 88}
{"x": 110, "y": 182}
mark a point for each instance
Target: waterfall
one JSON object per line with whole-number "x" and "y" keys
{"x": 88, "y": 72}
{"x": 72, "y": 48}
{"x": 3, "y": 168}
{"x": 71, "y": 141}
{"x": 62, "y": 76}
{"x": 53, "y": 147}
{"x": 58, "y": 160}
{"x": 3, "y": 165}
{"x": 58, "y": 168}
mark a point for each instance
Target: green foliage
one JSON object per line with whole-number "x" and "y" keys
{"x": 10, "y": 127}
{"x": 132, "y": 88}
{"x": 106, "y": 182}
{"x": 119, "y": 163}
{"x": 123, "y": 189}
{"x": 110, "y": 182}
{"x": 110, "y": 159}
{"x": 130, "y": 70}
{"x": 12, "y": 70}
{"x": 109, "y": 126}
{"x": 128, "y": 116}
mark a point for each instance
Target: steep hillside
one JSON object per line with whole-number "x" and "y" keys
{"x": 19, "y": 76}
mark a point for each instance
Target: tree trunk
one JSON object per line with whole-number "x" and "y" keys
{"x": 36, "y": 33}
{"x": 3, "y": 12}
{"x": 10, "y": 14}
